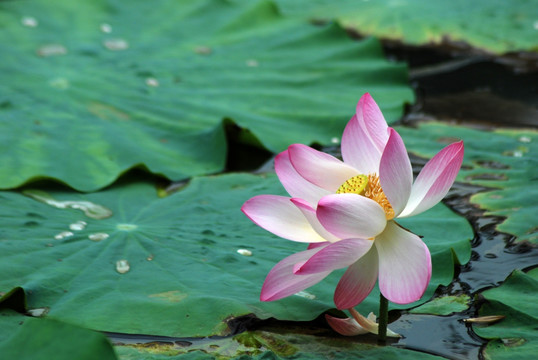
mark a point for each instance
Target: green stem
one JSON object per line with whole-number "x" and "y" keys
{"x": 383, "y": 319}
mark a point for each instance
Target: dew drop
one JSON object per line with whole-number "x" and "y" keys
{"x": 63, "y": 235}
{"x": 524, "y": 139}
{"x": 306, "y": 295}
{"x": 51, "y": 50}
{"x": 122, "y": 266}
{"x": 90, "y": 209}
{"x": 106, "y": 28}
{"x": 29, "y": 21}
{"x": 150, "y": 257}
{"x": 514, "y": 153}
{"x": 244, "y": 252}
{"x": 335, "y": 140}
{"x": 98, "y": 236}
{"x": 152, "y": 82}
{"x": 38, "y": 312}
{"x": 77, "y": 226}
{"x": 116, "y": 44}
{"x": 252, "y": 63}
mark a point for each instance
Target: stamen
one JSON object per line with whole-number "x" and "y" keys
{"x": 368, "y": 186}
{"x": 375, "y": 192}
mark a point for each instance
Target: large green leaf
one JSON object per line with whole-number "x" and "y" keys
{"x": 503, "y": 160}
{"x": 493, "y": 25}
{"x": 184, "y": 275}
{"x": 26, "y": 338}
{"x": 515, "y": 335}
{"x": 124, "y": 84}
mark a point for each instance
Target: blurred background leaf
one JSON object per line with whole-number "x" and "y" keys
{"x": 94, "y": 88}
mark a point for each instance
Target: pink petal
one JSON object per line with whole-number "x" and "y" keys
{"x": 295, "y": 184}
{"x": 282, "y": 282}
{"x": 335, "y": 256}
{"x": 435, "y": 179}
{"x": 404, "y": 264}
{"x": 319, "y": 168}
{"x": 366, "y": 323}
{"x": 351, "y": 216}
{"x": 280, "y": 216}
{"x": 346, "y": 327}
{"x": 310, "y": 215}
{"x": 395, "y": 172}
{"x": 358, "y": 281}
{"x": 356, "y": 325}
{"x": 369, "y": 323}
{"x": 365, "y": 137}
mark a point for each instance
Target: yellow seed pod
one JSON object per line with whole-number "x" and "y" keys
{"x": 355, "y": 185}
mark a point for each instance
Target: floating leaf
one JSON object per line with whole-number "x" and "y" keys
{"x": 444, "y": 305}
{"x": 493, "y": 25}
{"x": 43, "y": 339}
{"x": 503, "y": 160}
{"x": 97, "y": 88}
{"x": 516, "y": 334}
{"x": 171, "y": 266}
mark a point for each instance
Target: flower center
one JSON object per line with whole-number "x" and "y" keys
{"x": 368, "y": 186}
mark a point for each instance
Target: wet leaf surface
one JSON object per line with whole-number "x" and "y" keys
{"x": 180, "y": 258}
{"x": 150, "y": 86}
{"x": 23, "y": 337}
{"x": 516, "y": 333}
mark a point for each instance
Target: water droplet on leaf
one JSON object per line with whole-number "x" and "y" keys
{"x": 38, "y": 312}
{"x": 116, "y": 44}
{"x": 122, "y": 266}
{"x": 152, "y": 82}
{"x": 244, "y": 252}
{"x": 106, "y": 28}
{"x": 51, "y": 50}
{"x": 306, "y": 295}
{"x": 29, "y": 21}
{"x": 77, "y": 226}
{"x": 63, "y": 235}
{"x": 98, "y": 236}
{"x": 252, "y": 63}
{"x": 90, "y": 209}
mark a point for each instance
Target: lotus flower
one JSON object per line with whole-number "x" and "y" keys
{"x": 347, "y": 210}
